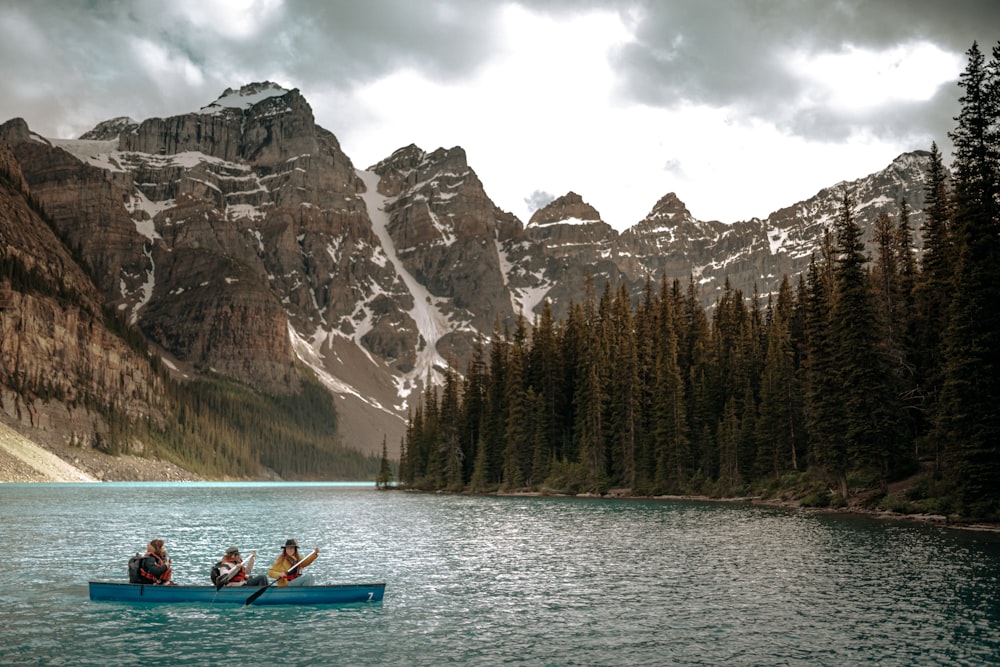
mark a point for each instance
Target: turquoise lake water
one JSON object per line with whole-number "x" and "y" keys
{"x": 494, "y": 581}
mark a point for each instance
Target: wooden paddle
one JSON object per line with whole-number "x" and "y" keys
{"x": 283, "y": 582}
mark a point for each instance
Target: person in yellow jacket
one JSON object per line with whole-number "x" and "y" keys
{"x": 290, "y": 556}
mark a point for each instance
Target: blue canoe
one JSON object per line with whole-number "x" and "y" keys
{"x": 326, "y": 594}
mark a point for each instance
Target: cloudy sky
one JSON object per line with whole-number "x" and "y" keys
{"x": 741, "y": 107}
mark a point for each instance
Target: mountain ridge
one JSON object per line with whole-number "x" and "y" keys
{"x": 246, "y": 242}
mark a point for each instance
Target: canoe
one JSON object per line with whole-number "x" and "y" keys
{"x": 326, "y": 594}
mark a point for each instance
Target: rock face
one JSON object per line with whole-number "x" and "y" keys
{"x": 61, "y": 368}
{"x": 242, "y": 240}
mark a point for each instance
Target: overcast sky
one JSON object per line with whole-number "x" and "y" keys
{"x": 740, "y": 107}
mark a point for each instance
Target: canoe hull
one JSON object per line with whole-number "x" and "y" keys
{"x": 328, "y": 594}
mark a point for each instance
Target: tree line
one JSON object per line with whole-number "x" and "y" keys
{"x": 870, "y": 366}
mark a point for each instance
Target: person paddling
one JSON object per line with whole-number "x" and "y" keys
{"x": 234, "y": 571}
{"x": 154, "y": 568}
{"x": 290, "y": 556}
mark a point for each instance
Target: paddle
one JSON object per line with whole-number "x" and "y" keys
{"x": 302, "y": 563}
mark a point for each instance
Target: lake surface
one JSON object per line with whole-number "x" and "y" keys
{"x": 491, "y": 581}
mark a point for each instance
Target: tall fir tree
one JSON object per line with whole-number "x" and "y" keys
{"x": 968, "y": 419}
{"x": 931, "y": 294}
{"x": 871, "y": 420}
{"x": 824, "y": 417}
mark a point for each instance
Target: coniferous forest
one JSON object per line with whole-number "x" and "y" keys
{"x": 875, "y": 365}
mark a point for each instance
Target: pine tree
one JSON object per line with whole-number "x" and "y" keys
{"x": 931, "y": 293}
{"x": 870, "y": 436}
{"x": 384, "y": 478}
{"x": 969, "y": 420}
{"x": 517, "y": 436}
{"x": 474, "y": 406}
{"x": 624, "y": 390}
{"x": 824, "y": 418}
{"x": 776, "y": 423}
{"x": 545, "y": 377}
{"x": 450, "y": 444}
{"x": 496, "y": 408}
{"x": 672, "y": 450}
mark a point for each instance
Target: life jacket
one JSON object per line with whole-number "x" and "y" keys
{"x": 145, "y": 577}
{"x": 241, "y": 572}
{"x": 293, "y": 575}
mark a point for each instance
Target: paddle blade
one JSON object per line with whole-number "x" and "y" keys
{"x": 256, "y": 594}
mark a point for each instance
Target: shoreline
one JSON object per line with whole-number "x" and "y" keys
{"x": 31, "y": 457}
{"x": 23, "y": 459}
{"x": 938, "y": 520}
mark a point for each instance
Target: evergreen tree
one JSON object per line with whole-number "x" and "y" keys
{"x": 672, "y": 453}
{"x": 474, "y": 405}
{"x": 517, "y": 436}
{"x": 496, "y": 409}
{"x": 384, "y": 478}
{"x": 450, "y": 443}
{"x": 545, "y": 377}
{"x": 823, "y": 411}
{"x": 968, "y": 419}
{"x": 932, "y": 291}
{"x": 779, "y": 401}
{"x": 870, "y": 435}
{"x": 623, "y": 381}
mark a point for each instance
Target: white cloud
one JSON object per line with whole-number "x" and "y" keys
{"x": 231, "y": 19}
{"x": 164, "y": 66}
{"x": 858, "y": 78}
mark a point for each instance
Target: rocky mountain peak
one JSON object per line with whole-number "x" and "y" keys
{"x": 246, "y": 97}
{"x": 411, "y": 167}
{"x": 16, "y": 130}
{"x": 570, "y": 208}
{"x": 668, "y": 212}
{"x": 110, "y": 129}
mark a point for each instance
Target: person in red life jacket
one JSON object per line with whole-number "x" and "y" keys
{"x": 234, "y": 571}
{"x": 289, "y": 557}
{"x": 155, "y": 565}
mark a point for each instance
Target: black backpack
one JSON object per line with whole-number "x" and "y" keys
{"x": 216, "y": 573}
{"x": 134, "y": 565}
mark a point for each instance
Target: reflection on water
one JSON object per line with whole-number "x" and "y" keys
{"x": 486, "y": 580}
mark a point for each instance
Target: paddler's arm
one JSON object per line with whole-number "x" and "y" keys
{"x": 277, "y": 571}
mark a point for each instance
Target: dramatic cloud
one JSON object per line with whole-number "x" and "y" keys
{"x": 738, "y": 106}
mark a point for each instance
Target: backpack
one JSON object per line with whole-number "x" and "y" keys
{"x": 216, "y": 573}
{"x": 134, "y": 565}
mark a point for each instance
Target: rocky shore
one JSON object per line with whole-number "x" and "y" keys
{"x": 36, "y": 459}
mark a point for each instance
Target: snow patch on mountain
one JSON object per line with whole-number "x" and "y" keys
{"x": 96, "y": 153}
{"x": 777, "y": 238}
{"x": 431, "y": 322}
{"x": 245, "y": 97}
{"x": 564, "y": 221}
{"x": 310, "y": 354}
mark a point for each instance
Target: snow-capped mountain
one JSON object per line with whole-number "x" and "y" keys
{"x": 241, "y": 239}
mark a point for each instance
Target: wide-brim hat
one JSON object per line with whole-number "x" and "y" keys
{"x": 291, "y": 543}
{"x": 232, "y": 550}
